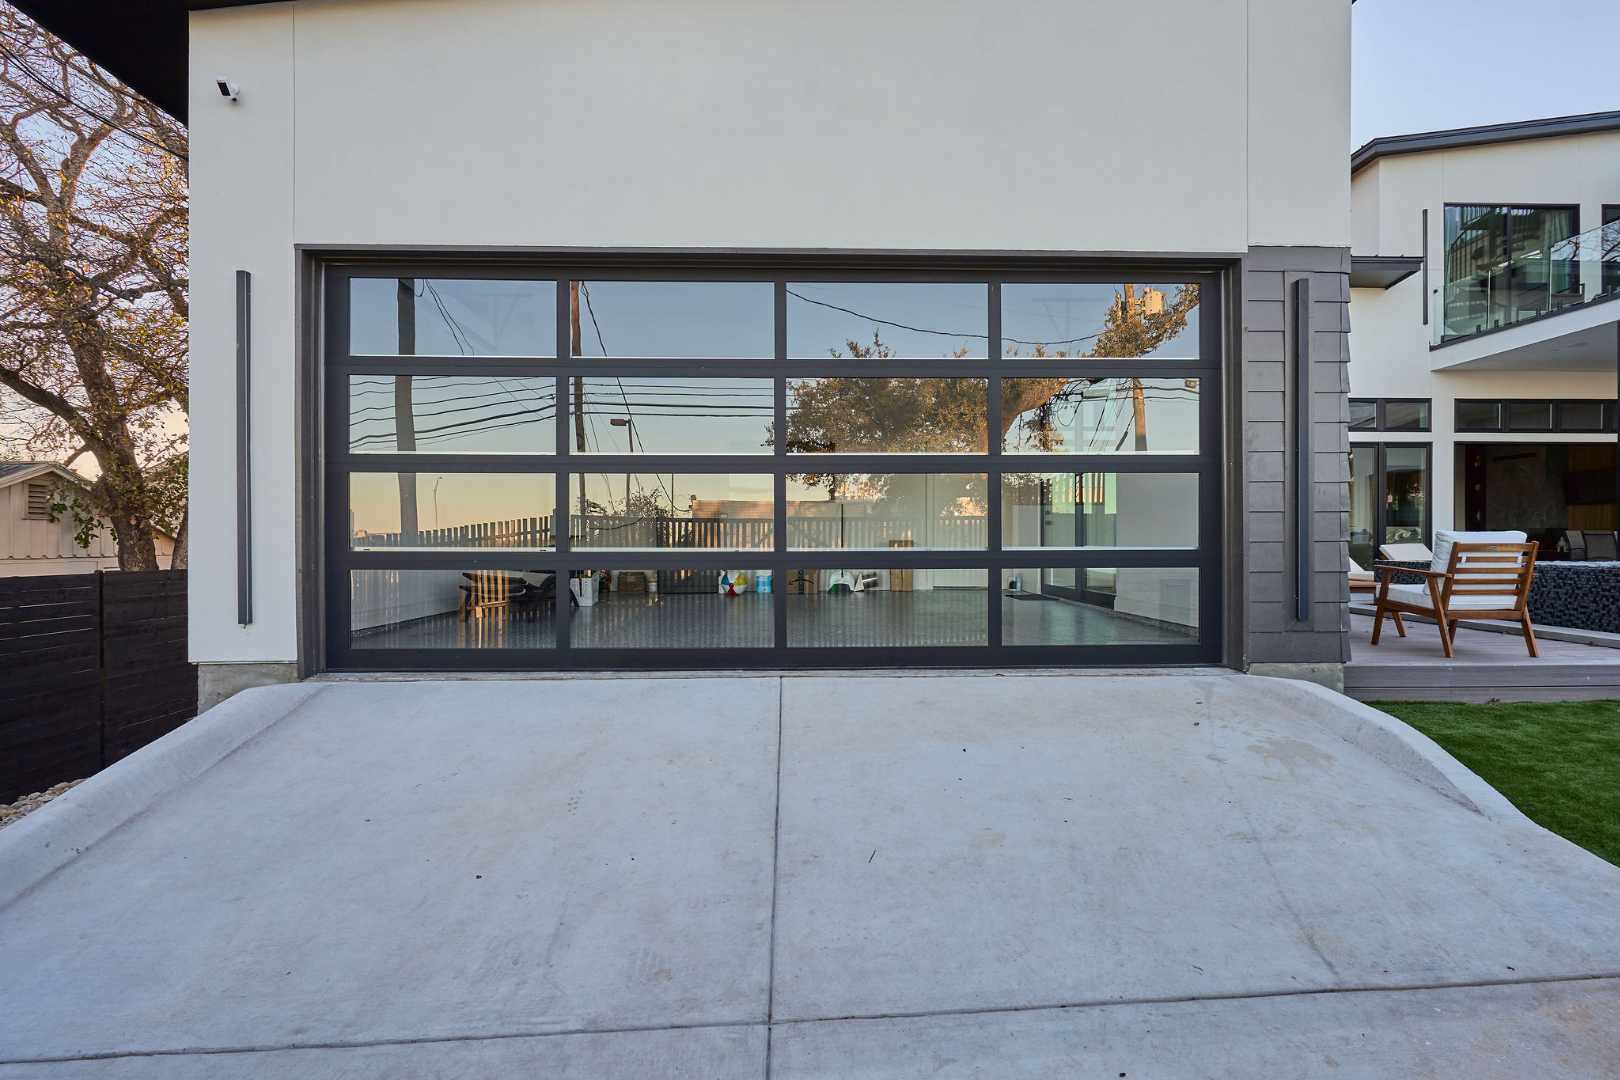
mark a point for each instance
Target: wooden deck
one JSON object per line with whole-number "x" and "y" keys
{"x": 1488, "y": 666}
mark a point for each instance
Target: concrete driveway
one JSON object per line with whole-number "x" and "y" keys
{"x": 944, "y": 876}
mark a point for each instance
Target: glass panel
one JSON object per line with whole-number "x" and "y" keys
{"x": 1099, "y": 320}
{"x": 1529, "y": 416}
{"x": 1404, "y": 416}
{"x": 1100, "y": 416}
{"x": 437, "y": 511}
{"x": 452, "y": 609}
{"x": 879, "y": 321}
{"x": 1479, "y": 416}
{"x": 1406, "y": 493}
{"x": 944, "y": 511}
{"x": 654, "y": 511}
{"x": 1607, "y": 248}
{"x": 1476, "y": 246}
{"x": 855, "y": 608}
{"x": 393, "y": 414}
{"x": 1128, "y": 606}
{"x": 1505, "y": 264}
{"x": 1099, "y": 509}
{"x": 637, "y": 415}
{"x": 1543, "y": 273}
{"x": 674, "y": 609}
{"x": 1363, "y": 414}
{"x": 705, "y": 319}
{"x": 1580, "y": 416}
{"x": 887, "y": 416}
{"x": 452, "y": 317}
{"x": 1364, "y": 505}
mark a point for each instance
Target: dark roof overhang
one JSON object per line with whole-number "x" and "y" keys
{"x": 145, "y": 44}
{"x": 1382, "y": 271}
{"x": 1485, "y": 135}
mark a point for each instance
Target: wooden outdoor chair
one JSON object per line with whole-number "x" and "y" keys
{"x": 1484, "y": 580}
{"x": 484, "y": 589}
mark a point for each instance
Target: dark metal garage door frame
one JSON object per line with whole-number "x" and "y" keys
{"x": 326, "y": 622}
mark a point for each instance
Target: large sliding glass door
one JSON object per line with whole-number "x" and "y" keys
{"x": 587, "y": 466}
{"x": 1389, "y": 498}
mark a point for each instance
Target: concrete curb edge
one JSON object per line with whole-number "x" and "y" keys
{"x": 54, "y": 835}
{"x": 1404, "y": 748}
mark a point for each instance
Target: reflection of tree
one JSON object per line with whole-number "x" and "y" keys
{"x": 1135, "y": 326}
{"x": 946, "y": 415}
{"x": 906, "y": 416}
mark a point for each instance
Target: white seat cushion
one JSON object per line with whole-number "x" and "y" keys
{"x": 1418, "y": 596}
{"x": 1445, "y": 538}
{"x": 1355, "y": 570}
{"x": 1406, "y": 553}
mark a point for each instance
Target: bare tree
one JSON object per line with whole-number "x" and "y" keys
{"x": 93, "y": 284}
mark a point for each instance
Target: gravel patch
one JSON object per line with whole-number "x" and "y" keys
{"x": 29, "y": 803}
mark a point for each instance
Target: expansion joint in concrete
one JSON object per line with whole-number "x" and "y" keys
{"x": 1099, "y": 1003}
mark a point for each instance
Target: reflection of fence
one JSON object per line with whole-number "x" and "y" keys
{"x": 718, "y": 533}
{"x": 534, "y": 532}
{"x": 617, "y": 531}
{"x": 951, "y": 533}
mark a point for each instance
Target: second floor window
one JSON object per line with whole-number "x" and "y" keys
{"x": 1505, "y": 264}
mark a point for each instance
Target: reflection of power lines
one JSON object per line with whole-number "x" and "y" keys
{"x": 630, "y": 416}
{"x": 941, "y": 333}
{"x": 1116, "y": 402}
{"x": 463, "y": 428}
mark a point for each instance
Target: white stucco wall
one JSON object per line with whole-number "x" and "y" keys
{"x": 1389, "y": 344}
{"x": 1180, "y": 126}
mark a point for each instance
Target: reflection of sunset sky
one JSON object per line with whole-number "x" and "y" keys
{"x": 713, "y": 414}
{"x": 726, "y": 320}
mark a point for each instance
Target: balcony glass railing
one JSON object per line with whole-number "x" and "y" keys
{"x": 1512, "y": 287}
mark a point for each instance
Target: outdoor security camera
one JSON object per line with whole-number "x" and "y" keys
{"x": 228, "y": 89}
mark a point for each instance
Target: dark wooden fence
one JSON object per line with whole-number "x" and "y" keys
{"x": 92, "y": 668}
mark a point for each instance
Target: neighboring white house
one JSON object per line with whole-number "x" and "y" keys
{"x": 440, "y": 248}
{"x": 32, "y": 544}
{"x": 1486, "y": 332}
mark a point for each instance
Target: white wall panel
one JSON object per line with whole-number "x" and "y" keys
{"x": 241, "y": 219}
{"x": 906, "y": 124}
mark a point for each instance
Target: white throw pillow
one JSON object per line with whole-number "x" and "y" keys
{"x": 1444, "y": 539}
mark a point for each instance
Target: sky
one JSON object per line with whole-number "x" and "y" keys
{"x": 1423, "y": 65}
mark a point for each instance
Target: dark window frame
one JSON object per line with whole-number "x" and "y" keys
{"x": 1555, "y": 407}
{"x": 1380, "y": 528}
{"x": 337, "y": 364}
{"x": 1381, "y": 413}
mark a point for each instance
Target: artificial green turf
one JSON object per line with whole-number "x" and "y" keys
{"x": 1559, "y": 761}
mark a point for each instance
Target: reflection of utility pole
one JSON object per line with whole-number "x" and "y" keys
{"x": 405, "y": 412}
{"x": 576, "y": 349}
{"x": 1151, "y": 303}
{"x": 629, "y": 425}
{"x": 1139, "y": 406}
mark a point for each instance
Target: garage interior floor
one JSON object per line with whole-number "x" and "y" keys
{"x": 936, "y": 617}
{"x": 1166, "y": 876}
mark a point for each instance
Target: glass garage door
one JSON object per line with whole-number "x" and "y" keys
{"x": 589, "y": 467}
